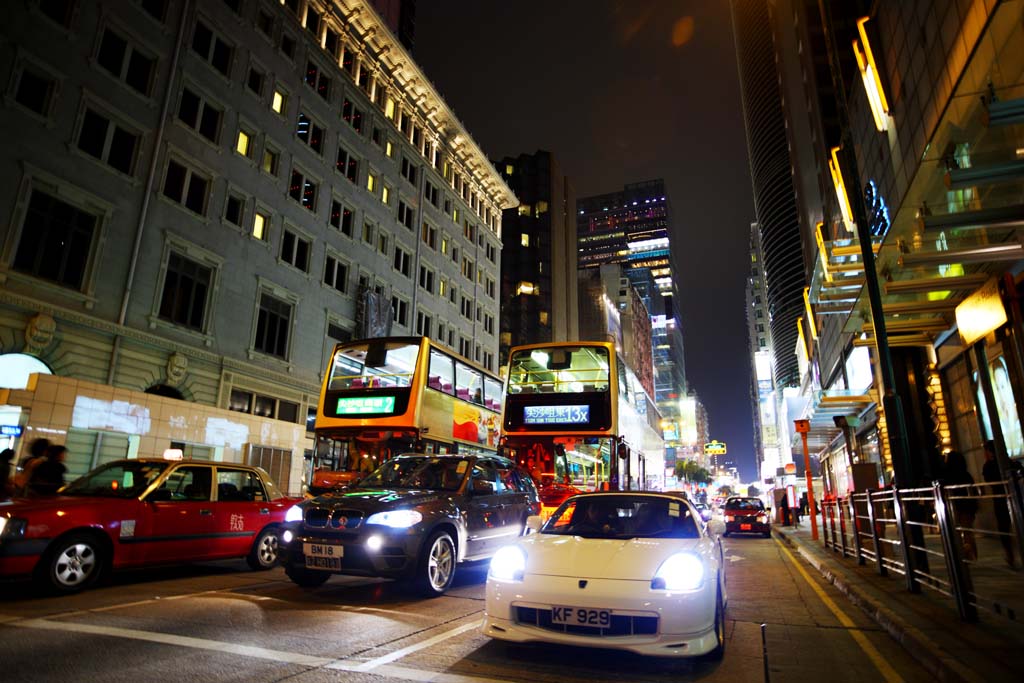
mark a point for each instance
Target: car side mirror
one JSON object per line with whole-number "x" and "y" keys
{"x": 482, "y": 487}
{"x": 159, "y": 495}
{"x": 716, "y": 527}
{"x": 534, "y": 523}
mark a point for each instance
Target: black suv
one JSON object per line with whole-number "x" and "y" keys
{"x": 415, "y": 517}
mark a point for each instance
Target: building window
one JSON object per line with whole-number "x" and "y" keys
{"x": 430, "y": 192}
{"x": 211, "y": 48}
{"x": 348, "y": 60}
{"x": 107, "y": 141}
{"x": 272, "y": 324}
{"x": 244, "y": 143}
{"x": 385, "y": 194}
{"x": 234, "y": 208}
{"x": 265, "y": 23}
{"x": 408, "y": 170}
{"x": 318, "y": 80}
{"x": 368, "y": 232}
{"x": 336, "y": 273}
{"x": 287, "y": 46}
{"x": 402, "y": 261}
{"x": 187, "y": 286}
{"x": 271, "y": 160}
{"x": 406, "y": 214}
{"x": 347, "y": 164}
{"x": 466, "y": 308}
{"x": 423, "y": 323}
{"x": 341, "y": 217}
{"x": 353, "y": 115}
{"x": 279, "y": 102}
{"x": 492, "y": 252}
{"x": 303, "y": 190}
{"x": 371, "y": 183}
{"x": 310, "y": 133}
{"x": 332, "y": 42}
{"x": 56, "y": 240}
{"x": 429, "y": 235}
{"x": 491, "y": 288}
{"x": 542, "y": 317}
{"x": 125, "y": 62}
{"x": 427, "y": 279}
{"x": 382, "y": 243}
{"x": 186, "y": 187}
{"x": 295, "y": 250}
{"x": 199, "y": 115}
{"x": 260, "y": 224}
{"x": 254, "y": 81}
{"x": 35, "y": 91}
{"x": 467, "y": 269}
{"x": 400, "y": 307}
{"x": 242, "y": 401}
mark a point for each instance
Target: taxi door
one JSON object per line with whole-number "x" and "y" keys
{"x": 240, "y": 511}
{"x": 180, "y": 517}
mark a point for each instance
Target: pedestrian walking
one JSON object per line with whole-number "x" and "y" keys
{"x": 36, "y": 453}
{"x": 804, "y": 507}
{"x": 48, "y": 476}
{"x": 784, "y": 507}
{"x": 965, "y": 507}
{"x": 990, "y": 473}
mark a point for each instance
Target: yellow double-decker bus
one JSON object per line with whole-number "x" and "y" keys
{"x": 577, "y": 418}
{"x": 391, "y": 395}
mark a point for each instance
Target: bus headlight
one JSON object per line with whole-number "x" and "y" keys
{"x": 680, "y": 572}
{"x": 508, "y": 563}
{"x": 396, "y": 519}
{"x": 294, "y": 514}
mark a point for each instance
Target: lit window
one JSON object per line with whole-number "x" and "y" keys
{"x": 280, "y": 102}
{"x": 543, "y": 317}
{"x": 371, "y": 182}
{"x": 389, "y": 111}
{"x": 526, "y": 288}
{"x": 509, "y": 170}
{"x": 259, "y": 226}
{"x": 244, "y": 144}
{"x": 389, "y": 149}
{"x": 524, "y": 240}
{"x": 386, "y": 194}
{"x": 525, "y": 209}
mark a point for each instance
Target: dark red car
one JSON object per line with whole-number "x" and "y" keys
{"x": 138, "y": 512}
{"x": 746, "y": 516}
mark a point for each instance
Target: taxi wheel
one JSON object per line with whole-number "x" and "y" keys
{"x": 264, "y": 550}
{"x": 436, "y": 565}
{"x": 719, "y": 650}
{"x": 307, "y": 578}
{"x": 72, "y": 564}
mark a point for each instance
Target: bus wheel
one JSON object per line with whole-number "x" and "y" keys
{"x": 436, "y": 569}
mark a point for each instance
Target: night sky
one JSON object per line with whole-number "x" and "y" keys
{"x": 620, "y": 92}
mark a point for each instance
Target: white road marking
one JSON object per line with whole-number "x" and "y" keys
{"x": 380, "y": 666}
{"x": 733, "y": 558}
{"x": 398, "y": 654}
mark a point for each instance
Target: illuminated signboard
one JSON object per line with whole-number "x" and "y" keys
{"x": 10, "y": 430}
{"x": 878, "y": 211}
{"x": 365, "y": 405}
{"x": 547, "y": 415}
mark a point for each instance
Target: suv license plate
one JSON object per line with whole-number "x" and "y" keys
{"x": 328, "y": 563}
{"x": 323, "y": 555}
{"x": 578, "y": 616}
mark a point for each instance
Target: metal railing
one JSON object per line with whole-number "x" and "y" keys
{"x": 961, "y": 541}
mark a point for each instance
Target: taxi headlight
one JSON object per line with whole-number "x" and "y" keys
{"x": 396, "y": 519}
{"x": 12, "y": 527}
{"x": 508, "y": 563}
{"x": 294, "y": 514}
{"x": 680, "y": 572}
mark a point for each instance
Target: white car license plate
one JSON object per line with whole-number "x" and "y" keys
{"x": 579, "y": 616}
{"x": 323, "y": 555}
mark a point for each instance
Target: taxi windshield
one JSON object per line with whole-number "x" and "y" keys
{"x": 122, "y": 479}
{"x": 437, "y": 474}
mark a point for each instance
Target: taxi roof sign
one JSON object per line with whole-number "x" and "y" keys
{"x": 716, "y": 447}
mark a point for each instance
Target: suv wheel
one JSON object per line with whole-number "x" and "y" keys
{"x": 436, "y": 569}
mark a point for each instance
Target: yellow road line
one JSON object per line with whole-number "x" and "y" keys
{"x": 888, "y": 673}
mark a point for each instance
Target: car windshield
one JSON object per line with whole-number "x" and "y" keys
{"x": 122, "y": 479}
{"x": 622, "y": 516}
{"x": 744, "y": 504}
{"x": 436, "y": 474}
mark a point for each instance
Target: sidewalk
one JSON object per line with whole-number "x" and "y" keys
{"x": 926, "y": 624}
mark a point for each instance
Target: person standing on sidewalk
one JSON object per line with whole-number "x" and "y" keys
{"x": 784, "y": 507}
{"x": 965, "y": 506}
{"x": 990, "y": 473}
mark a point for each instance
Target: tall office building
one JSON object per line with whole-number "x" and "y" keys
{"x": 632, "y": 227}
{"x": 774, "y": 198}
{"x": 202, "y": 198}
{"x": 538, "y": 259}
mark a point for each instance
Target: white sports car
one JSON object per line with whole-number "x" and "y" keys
{"x": 626, "y": 570}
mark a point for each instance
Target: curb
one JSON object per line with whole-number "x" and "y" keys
{"x": 923, "y": 649}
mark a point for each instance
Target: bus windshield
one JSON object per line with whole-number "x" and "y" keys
{"x": 374, "y": 364}
{"x": 559, "y": 370}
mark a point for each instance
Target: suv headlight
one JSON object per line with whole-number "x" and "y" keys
{"x": 680, "y": 572}
{"x": 294, "y": 514}
{"x": 396, "y": 519}
{"x": 508, "y": 563}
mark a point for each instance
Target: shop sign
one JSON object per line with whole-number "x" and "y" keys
{"x": 980, "y": 313}
{"x": 10, "y": 430}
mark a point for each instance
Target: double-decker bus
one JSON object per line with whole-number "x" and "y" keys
{"x": 391, "y": 395}
{"x": 577, "y": 418}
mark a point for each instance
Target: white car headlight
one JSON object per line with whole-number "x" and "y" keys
{"x": 508, "y": 563}
{"x": 396, "y": 519}
{"x": 3, "y": 523}
{"x": 681, "y": 572}
{"x": 294, "y": 514}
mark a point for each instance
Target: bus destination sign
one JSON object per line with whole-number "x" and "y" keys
{"x": 547, "y": 415}
{"x": 365, "y": 405}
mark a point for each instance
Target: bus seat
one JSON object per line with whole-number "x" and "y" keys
{"x": 434, "y": 382}
{"x": 462, "y": 393}
{"x": 446, "y": 387}
{"x": 357, "y": 383}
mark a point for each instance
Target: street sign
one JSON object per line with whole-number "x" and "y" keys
{"x": 802, "y": 426}
{"x": 714, "y": 448}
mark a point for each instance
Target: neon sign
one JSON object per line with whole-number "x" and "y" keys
{"x": 878, "y": 211}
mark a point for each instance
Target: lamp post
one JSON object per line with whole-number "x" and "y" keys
{"x": 802, "y": 427}
{"x": 891, "y": 403}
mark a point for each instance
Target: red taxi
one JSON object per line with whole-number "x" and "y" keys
{"x": 139, "y": 512}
